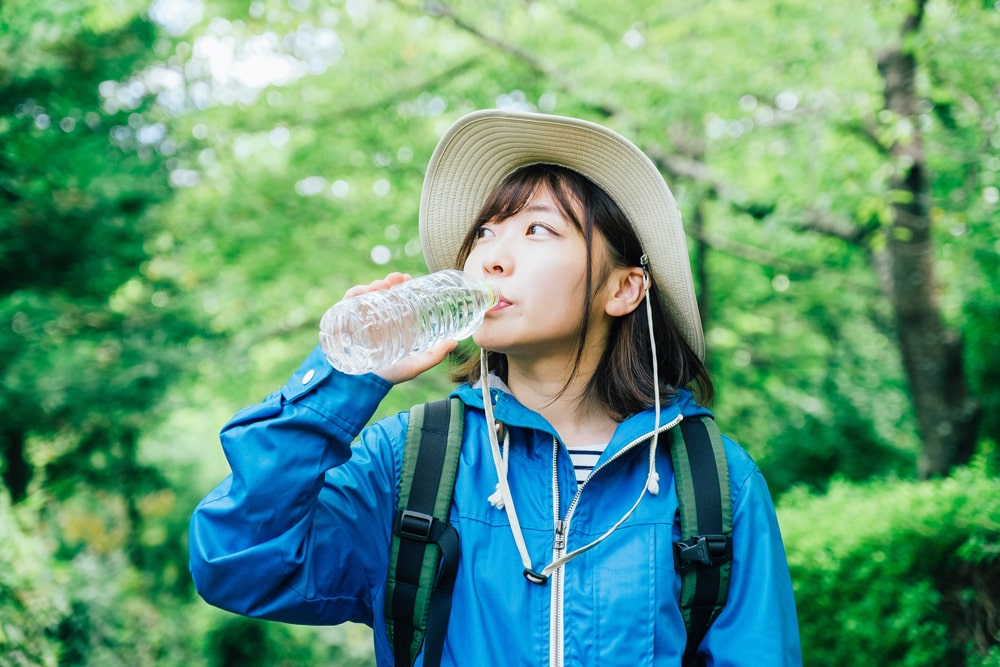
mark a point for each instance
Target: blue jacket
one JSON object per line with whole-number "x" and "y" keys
{"x": 300, "y": 532}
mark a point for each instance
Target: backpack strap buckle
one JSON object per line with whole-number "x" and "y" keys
{"x": 704, "y": 549}
{"x": 414, "y": 525}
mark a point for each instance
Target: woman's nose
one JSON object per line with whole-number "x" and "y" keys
{"x": 494, "y": 268}
{"x": 495, "y": 259}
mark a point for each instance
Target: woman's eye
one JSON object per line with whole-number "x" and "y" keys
{"x": 484, "y": 232}
{"x": 537, "y": 229}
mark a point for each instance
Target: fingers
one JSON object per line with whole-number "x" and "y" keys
{"x": 390, "y": 280}
{"x": 415, "y": 364}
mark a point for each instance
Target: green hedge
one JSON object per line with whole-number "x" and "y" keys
{"x": 86, "y": 608}
{"x": 900, "y": 573}
{"x": 28, "y": 604}
{"x": 63, "y": 604}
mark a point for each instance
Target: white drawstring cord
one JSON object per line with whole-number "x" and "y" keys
{"x": 559, "y": 562}
{"x": 653, "y": 480}
{"x": 500, "y": 498}
{"x": 496, "y": 498}
{"x": 653, "y": 477}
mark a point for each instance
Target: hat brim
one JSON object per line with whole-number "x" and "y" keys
{"x": 480, "y": 149}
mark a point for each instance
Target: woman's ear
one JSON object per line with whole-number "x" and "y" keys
{"x": 627, "y": 291}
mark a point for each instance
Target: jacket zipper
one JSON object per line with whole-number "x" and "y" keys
{"x": 558, "y": 549}
{"x": 562, "y": 530}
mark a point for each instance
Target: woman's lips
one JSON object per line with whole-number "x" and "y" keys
{"x": 501, "y": 304}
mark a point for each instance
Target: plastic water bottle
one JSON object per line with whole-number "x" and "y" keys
{"x": 372, "y": 330}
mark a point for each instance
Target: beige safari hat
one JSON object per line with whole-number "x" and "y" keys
{"x": 483, "y": 147}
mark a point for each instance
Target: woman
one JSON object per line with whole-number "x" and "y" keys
{"x": 591, "y": 353}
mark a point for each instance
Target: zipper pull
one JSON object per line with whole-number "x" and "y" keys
{"x": 560, "y": 539}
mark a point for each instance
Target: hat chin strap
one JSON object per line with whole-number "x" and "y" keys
{"x": 502, "y": 499}
{"x": 653, "y": 478}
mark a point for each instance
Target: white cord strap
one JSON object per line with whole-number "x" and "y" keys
{"x": 653, "y": 479}
{"x": 500, "y": 463}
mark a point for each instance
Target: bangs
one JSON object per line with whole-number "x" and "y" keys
{"x": 516, "y": 192}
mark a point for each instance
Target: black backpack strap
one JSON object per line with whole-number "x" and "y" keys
{"x": 425, "y": 548}
{"x": 704, "y": 553}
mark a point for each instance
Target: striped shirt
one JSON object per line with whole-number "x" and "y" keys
{"x": 584, "y": 460}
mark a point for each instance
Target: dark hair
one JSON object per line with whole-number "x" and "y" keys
{"x": 623, "y": 380}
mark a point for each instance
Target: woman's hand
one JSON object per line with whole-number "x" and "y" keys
{"x": 413, "y": 365}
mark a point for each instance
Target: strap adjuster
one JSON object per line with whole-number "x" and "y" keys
{"x": 704, "y": 549}
{"x": 415, "y": 525}
{"x": 535, "y": 577}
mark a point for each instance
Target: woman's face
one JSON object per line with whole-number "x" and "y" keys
{"x": 538, "y": 261}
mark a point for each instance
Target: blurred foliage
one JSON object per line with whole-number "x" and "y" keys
{"x": 93, "y": 608}
{"x": 186, "y": 185}
{"x": 28, "y": 581}
{"x": 900, "y": 572}
{"x": 94, "y": 332}
{"x": 322, "y": 173}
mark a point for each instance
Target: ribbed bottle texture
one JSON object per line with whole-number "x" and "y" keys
{"x": 375, "y": 329}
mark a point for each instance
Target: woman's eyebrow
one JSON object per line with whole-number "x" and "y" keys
{"x": 544, "y": 208}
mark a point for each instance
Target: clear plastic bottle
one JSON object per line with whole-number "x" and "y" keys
{"x": 372, "y": 330}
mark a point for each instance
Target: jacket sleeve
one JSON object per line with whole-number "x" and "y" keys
{"x": 299, "y": 531}
{"x": 758, "y": 625}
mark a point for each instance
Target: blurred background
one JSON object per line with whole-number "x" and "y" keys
{"x": 186, "y": 186}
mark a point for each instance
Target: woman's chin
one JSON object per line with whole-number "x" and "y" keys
{"x": 487, "y": 342}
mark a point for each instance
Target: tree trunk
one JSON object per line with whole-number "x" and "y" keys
{"x": 932, "y": 354}
{"x": 16, "y": 471}
{"x": 700, "y": 262}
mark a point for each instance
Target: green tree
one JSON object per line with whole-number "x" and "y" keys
{"x": 780, "y": 125}
{"x": 932, "y": 352}
{"x": 93, "y": 331}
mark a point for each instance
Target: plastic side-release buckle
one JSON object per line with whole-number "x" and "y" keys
{"x": 414, "y": 525}
{"x": 704, "y": 549}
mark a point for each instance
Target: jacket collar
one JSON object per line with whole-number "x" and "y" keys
{"x": 509, "y": 410}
